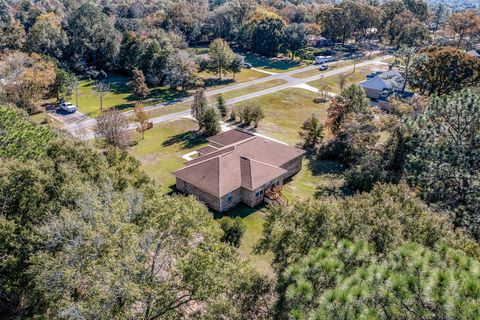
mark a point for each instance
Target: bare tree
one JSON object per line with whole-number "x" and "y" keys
{"x": 112, "y": 124}
{"x": 74, "y": 89}
{"x": 102, "y": 89}
{"x": 142, "y": 118}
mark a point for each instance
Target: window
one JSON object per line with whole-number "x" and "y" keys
{"x": 261, "y": 191}
{"x": 229, "y": 197}
{"x": 257, "y": 194}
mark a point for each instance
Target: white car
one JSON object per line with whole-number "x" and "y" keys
{"x": 68, "y": 107}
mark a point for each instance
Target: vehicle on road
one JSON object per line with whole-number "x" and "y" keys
{"x": 323, "y": 59}
{"x": 68, "y": 107}
{"x": 323, "y": 67}
{"x": 247, "y": 65}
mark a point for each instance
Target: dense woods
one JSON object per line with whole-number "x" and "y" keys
{"x": 85, "y": 233}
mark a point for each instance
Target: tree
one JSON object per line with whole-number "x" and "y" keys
{"x": 74, "y": 88}
{"x": 181, "y": 71}
{"x": 138, "y": 85}
{"x": 351, "y": 100}
{"x": 93, "y": 37}
{"x": 101, "y": 89}
{"x": 220, "y": 57}
{"x": 210, "y": 122}
{"x": 409, "y": 31}
{"x": 199, "y": 107}
{"x": 386, "y": 218}
{"x": 463, "y": 24}
{"x": 113, "y": 126}
{"x": 409, "y": 58}
{"x": 446, "y": 157}
{"x": 221, "y": 106}
{"x": 63, "y": 83}
{"x": 263, "y": 33}
{"x": 311, "y": 132}
{"x": 342, "y": 80}
{"x": 257, "y": 115}
{"x": 445, "y": 70}
{"x": 346, "y": 280}
{"x": 47, "y": 36}
{"x": 236, "y": 65}
{"x": 295, "y": 38}
{"x": 12, "y": 37}
{"x": 233, "y": 230}
{"x": 251, "y": 113}
{"x": 26, "y": 78}
{"x": 142, "y": 118}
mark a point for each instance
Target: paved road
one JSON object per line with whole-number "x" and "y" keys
{"x": 287, "y": 76}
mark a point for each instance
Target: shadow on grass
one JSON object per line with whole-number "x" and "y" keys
{"x": 186, "y": 140}
{"x": 166, "y": 94}
{"x": 259, "y": 61}
{"x": 319, "y": 167}
{"x": 240, "y": 210}
{"x": 212, "y": 82}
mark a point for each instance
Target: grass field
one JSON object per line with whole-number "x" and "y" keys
{"x": 330, "y": 84}
{"x": 277, "y": 65}
{"x": 161, "y": 151}
{"x": 252, "y": 88}
{"x": 285, "y": 111}
{"x": 212, "y": 81}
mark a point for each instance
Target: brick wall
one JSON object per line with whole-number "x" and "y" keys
{"x": 235, "y": 199}
{"x": 293, "y": 166}
{"x": 210, "y": 200}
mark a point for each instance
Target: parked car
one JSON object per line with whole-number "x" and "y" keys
{"x": 68, "y": 107}
{"x": 323, "y": 59}
{"x": 323, "y": 67}
{"x": 247, "y": 65}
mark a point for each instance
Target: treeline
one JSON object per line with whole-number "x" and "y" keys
{"x": 84, "y": 233}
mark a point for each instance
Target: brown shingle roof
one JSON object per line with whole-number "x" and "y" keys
{"x": 229, "y": 137}
{"x": 247, "y": 163}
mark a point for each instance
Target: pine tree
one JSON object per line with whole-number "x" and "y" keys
{"x": 210, "y": 122}
{"x": 138, "y": 85}
{"x": 311, "y": 132}
{"x": 199, "y": 107}
{"x": 222, "y": 107}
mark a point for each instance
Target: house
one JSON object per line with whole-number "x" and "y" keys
{"x": 239, "y": 167}
{"x": 380, "y": 86}
{"x": 474, "y": 53}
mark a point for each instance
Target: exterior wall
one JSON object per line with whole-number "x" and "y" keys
{"x": 250, "y": 197}
{"x": 187, "y": 188}
{"x": 236, "y": 198}
{"x": 293, "y": 166}
{"x": 372, "y": 93}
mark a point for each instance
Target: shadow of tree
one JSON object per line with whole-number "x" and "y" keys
{"x": 319, "y": 167}
{"x": 212, "y": 82}
{"x": 166, "y": 94}
{"x": 259, "y": 61}
{"x": 186, "y": 140}
{"x": 240, "y": 210}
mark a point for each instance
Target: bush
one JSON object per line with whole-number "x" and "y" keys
{"x": 233, "y": 230}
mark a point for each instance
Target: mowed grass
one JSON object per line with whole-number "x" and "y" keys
{"x": 285, "y": 111}
{"x": 161, "y": 151}
{"x": 277, "y": 65}
{"x": 253, "y": 88}
{"x": 213, "y": 82}
{"x": 331, "y": 83}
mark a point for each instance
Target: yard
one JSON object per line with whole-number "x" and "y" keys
{"x": 276, "y": 65}
{"x": 331, "y": 84}
{"x": 285, "y": 111}
{"x": 161, "y": 151}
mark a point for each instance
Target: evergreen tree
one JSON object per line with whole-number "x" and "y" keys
{"x": 210, "y": 122}
{"x": 220, "y": 57}
{"x": 222, "y": 107}
{"x": 199, "y": 107}
{"x": 311, "y": 132}
{"x": 138, "y": 85}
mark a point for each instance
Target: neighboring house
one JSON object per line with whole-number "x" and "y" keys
{"x": 318, "y": 41}
{"x": 474, "y": 53}
{"x": 380, "y": 86}
{"x": 239, "y": 167}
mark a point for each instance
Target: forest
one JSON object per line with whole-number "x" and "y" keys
{"x": 89, "y": 229}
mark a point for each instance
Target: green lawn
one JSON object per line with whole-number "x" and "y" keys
{"x": 252, "y": 88}
{"x": 163, "y": 147}
{"x": 273, "y": 64}
{"x": 119, "y": 95}
{"x": 212, "y": 81}
{"x": 330, "y": 84}
{"x": 285, "y": 111}
{"x": 314, "y": 72}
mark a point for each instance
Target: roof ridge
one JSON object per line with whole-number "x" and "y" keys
{"x": 203, "y": 161}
